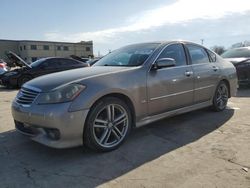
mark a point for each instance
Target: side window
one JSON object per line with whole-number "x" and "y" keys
{"x": 72, "y": 62}
{"x": 66, "y": 62}
{"x": 198, "y": 54}
{"x": 50, "y": 63}
{"x": 176, "y": 52}
{"x": 44, "y": 64}
{"x": 212, "y": 56}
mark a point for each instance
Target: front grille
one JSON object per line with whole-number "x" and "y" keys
{"x": 26, "y": 96}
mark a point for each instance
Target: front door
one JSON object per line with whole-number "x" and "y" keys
{"x": 170, "y": 88}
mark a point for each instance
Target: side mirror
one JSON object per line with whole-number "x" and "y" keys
{"x": 163, "y": 63}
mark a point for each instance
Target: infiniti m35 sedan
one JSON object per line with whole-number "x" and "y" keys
{"x": 135, "y": 85}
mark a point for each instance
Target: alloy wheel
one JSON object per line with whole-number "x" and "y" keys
{"x": 110, "y": 125}
{"x": 222, "y": 96}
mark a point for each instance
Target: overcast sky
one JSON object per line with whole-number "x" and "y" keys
{"x": 114, "y": 23}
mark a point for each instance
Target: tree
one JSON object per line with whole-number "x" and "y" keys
{"x": 218, "y": 49}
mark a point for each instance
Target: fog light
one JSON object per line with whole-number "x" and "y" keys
{"x": 53, "y": 134}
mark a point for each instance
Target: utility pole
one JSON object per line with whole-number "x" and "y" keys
{"x": 202, "y": 41}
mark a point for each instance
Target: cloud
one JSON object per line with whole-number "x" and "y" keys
{"x": 179, "y": 12}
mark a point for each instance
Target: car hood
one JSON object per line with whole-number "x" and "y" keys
{"x": 237, "y": 60}
{"x": 52, "y": 81}
{"x": 20, "y": 62}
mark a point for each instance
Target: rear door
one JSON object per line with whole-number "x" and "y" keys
{"x": 171, "y": 87}
{"x": 206, "y": 73}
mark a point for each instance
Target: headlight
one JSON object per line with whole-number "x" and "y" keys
{"x": 61, "y": 95}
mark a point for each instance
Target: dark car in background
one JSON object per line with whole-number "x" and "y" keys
{"x": 26, "y": 72}
{"x": 240, "y": 57}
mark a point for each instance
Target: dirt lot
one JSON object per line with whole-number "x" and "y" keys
{"x": 197, "y": 149}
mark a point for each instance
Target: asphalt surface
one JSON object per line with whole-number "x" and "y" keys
{"x": 197, "y": 149}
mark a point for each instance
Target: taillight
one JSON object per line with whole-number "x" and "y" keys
{"x": 2, "y": 65}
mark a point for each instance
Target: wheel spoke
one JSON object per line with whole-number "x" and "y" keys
{"x": 117, "y": 131}
{"x": 116, "y": 135}
{"x": 219, "y": 91}
{"x": 100, "y": 126}
{"x": 104, "y": 135}
{"x": 107, "y": 136}
{"x": 110, "y": 112}
{"x": 99, "y": 123}
{"x": 218, "y": 99}
{"x": 224, "y": 91}
{"x": 122, "y": 118}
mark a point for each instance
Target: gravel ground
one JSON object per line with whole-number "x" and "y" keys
{"x": 197, "y": 149}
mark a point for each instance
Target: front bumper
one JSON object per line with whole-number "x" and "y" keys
{"x": 51, "y": 125}
{"x": 5, "y": 81}
{"x": 243, "y": 74}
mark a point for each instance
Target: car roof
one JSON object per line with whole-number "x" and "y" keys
{"x": 56, "y": 58}
{"x": 241, "y": 48}
{"x": 46, "y": 58}
{"x": 169, "y": 42}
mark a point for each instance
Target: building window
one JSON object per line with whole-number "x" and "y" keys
{"x": 33, "y": 47}
{"x": 45, "y": 47}
{"x": 87, "y": 49}
{"x": 66, "y": 48}
{"x": 33, "y": 59}
{"x": 58, "y": 48}
{"x": 20, "y": 48}
{"x": 24, "y": 47}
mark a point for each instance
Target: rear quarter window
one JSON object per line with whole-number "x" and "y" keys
{"x": 212, "y": 56}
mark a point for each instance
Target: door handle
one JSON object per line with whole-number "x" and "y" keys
{"x": 215, "y": 68}
{"x": 189, "y": 73}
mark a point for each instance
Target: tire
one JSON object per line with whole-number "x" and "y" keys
{"x": 108, "y": 125}
{"x": 220, "y": 98}
{"x": 23, "y": 80}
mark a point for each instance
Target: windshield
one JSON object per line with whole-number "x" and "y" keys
{"x": 133, "y": 55}
{"x": 237, "y": 52}
{"x": 37, "y": 63}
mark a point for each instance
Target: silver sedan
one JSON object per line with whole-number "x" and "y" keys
{"x": 130, "y": 87}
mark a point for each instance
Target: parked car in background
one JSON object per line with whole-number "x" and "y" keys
{"x": 26, "y": 72}
{"x": 240, "y": 57}
{"x": 92, "y": 61}
{"x": 83, "y": 59}
{"x": 130, "y": 87}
